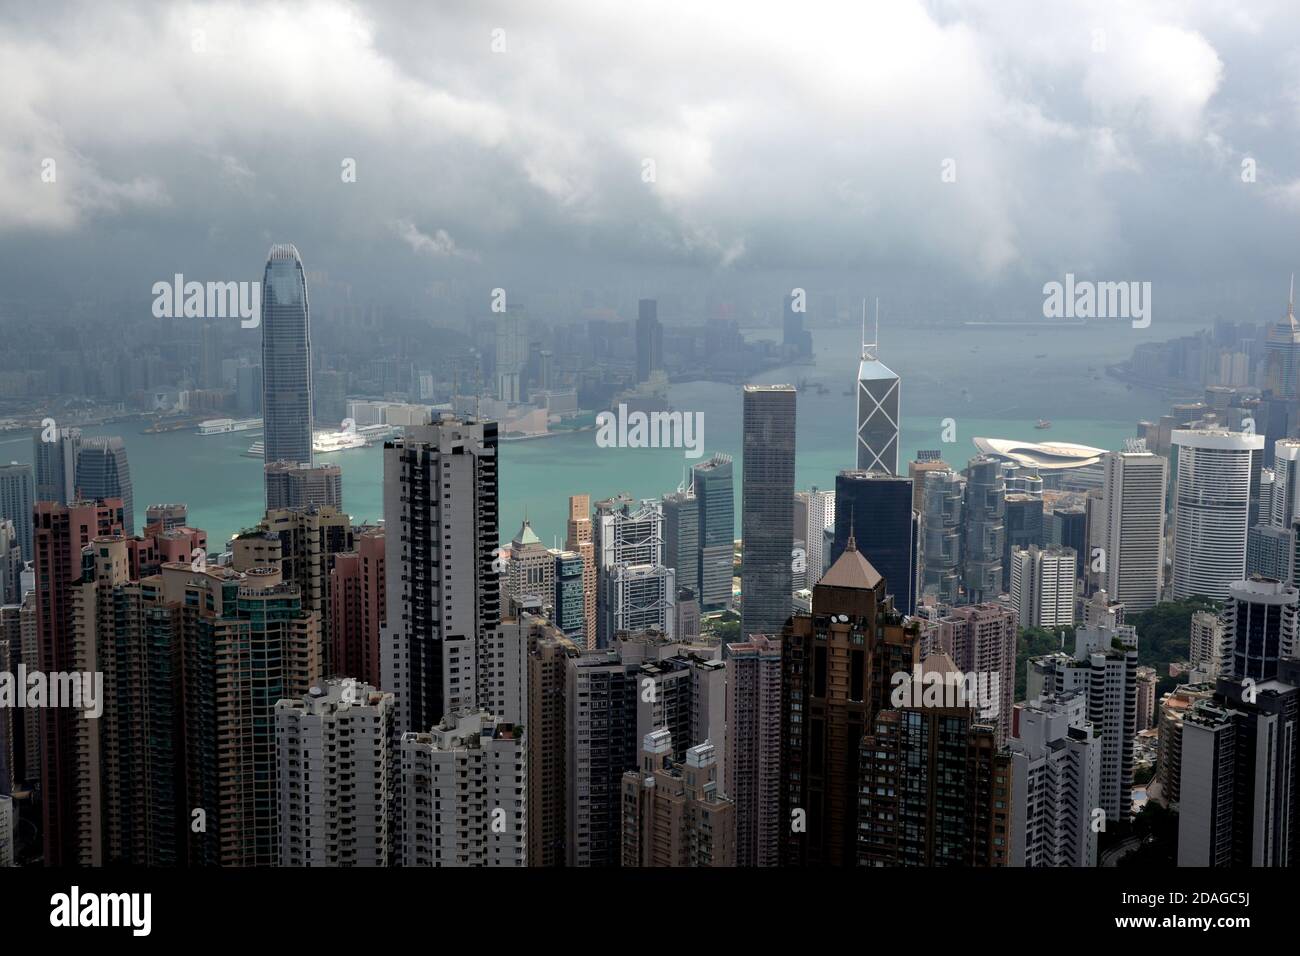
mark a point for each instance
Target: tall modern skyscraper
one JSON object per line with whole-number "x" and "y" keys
{"x": 1211, "y": 509}
{"x": 820, "y": 509}
{"x": 941, "y": 534}
{"x": 286, "y": 358}
{"x": 767, "y": 508}
{"x": 104, "y": 472}
{"x": 715, "y": 491}
{"x": 511, "y": 354}
{"x": 878, "y": 409}
{"x": 877, "y": 508}
{"x": 1132, "y": 524}
{"x": 636, "y": 587}
{"x": 682, "y": 537}
{"x": 649, "y": 339}
{"x": 1237, "y": 797}
{"x": 17, "y": 495}
{"x": 1259, "y": 627}
{"x": 579, "y": 537}
{"x": 56, "y": 464}
{"x": 984, "y": 528}
{"x": 441, "y": 536}
{"x": 837, "y": 675}
{"x": 1282, "y": 354}
{"x": 754, "y": 747}
{"x": 358, "y": 605}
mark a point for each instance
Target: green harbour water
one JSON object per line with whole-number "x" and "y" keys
{"x": 993, "y": 382}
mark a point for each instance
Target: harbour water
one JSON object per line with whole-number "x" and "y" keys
{"x": 993, "y": 382}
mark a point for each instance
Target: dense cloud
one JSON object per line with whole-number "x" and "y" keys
{"x": 693, "y": 144}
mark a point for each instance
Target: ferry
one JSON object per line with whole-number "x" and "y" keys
{"x": 222, "y": 426}
{"x": 1042, "y": 423}
{"x": 322, "y": 443}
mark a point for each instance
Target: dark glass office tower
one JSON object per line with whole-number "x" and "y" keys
{"x": 286, "y": 359}
{"x": 984, "y": 529}
{"x": 792, "y": 331}
{"x": 715, "y": 490}
{"x": 649, "y": 339}
{"x": 103, "y": 472}
{"x": 1069, "y": 528}
{"x": 1024, "y": 527}
{"x": 767, "y": 508}
{"x": 879, "y": 507}
{"x": 682, "y": 538}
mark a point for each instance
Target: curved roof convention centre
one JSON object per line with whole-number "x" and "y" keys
{"x": 1048, "y": 455}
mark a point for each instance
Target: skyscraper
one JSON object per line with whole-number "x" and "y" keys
{"x": 636, "y": 589}
{"x": 879, "y": 409}
{"x": 679, "y": 801}
{"x": 103, "y": 472}
{"x": 1237, "y": 797}
{"x": 579, "y": 537}
{"x": 511, "y": 354}
{"x": 1132, "y": 523}
{"x": 821, "y": 516}
{"x": 715, "y": 491}
{"x": 1042, "y": 586}
{"x": 17, "y": 496}
{"x": 1056, "y": 780}
{"x": 441, "y": 536}
{"x": 1211, "y": 509}
{"x": 1259, "y": 624}
{"x": 984, "y": 528}
{"x": 767, "y": 508}
{"x": 56, "y": 464}
{"x": 286, "y": 359}
{"x": 548, "y": 658}
{"x": 941, "y": 534}
{"x": 649, "y": 339}
{"x": 335, "y": 779}
{"x": 1282, "y": 354}
{"x": 358, "y": 605}
{"x": 878, "y": 506}
{"x": 837, "y": 674}
{"x": 682, "y": 537}
{"x": 299, "y": 485}
{"x": 754, "y": 747}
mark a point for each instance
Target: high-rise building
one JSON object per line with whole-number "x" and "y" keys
{"x": 636, "y": 589}
{"x": 291, "y": 484}
{"x": 1056, "y": 781}
{"x": 837, "y": 675}
{"x": 511, "y": 355}
{"x": 984, "y": 528}
{"x": 649, "y": 339}
{"x": 103, "y": 472}
{"x": 793, "y": 334}
{"x": 941, "y": 535}
{"x": 1237, "y": 797}
{"x": 820, "y": 507}
{"x": 1132, "y": 525}
{"x": 335, "y": 775}
{"x": 1282, "y": 354}
{"x": 465, "y": 792}
{"x": 286, "y": 359}
{"x": 1024, "y": 528}
{"x": 548, "y": 791}
{"x": 877, "y": 509}
{"x": 673, "y": 812}
{"x": 754, "y": 747}
{"x": 11, "y": 563}
{"x": 925, "y": 461}
{"x": 1206, "y": 652}
{"x": 682, "y": 537}
{"x": 715, "y": 490}
{"x": 17, "y": 496}
{"x": 570, "y": 602}
{"x": 1042, "y": 586}
{"x": 358, "y": 605}
{"x": 879, "y": 412}
{"x": 1104, "y": 665}
{"x": 247, "y": 642}
{"x": 1147, "y": 678}
{"x": 55, "y": 452}
{"x": 531, "y": 572}
{"x": 1174, "y": 706}
{"x": 981, "y": 639}
{"x": 1259, "y": 628}
{"x": 935, "y": 788}
{"x": 1067, "y": 526}
{"x": 69, "y": 791}
{"x": 767, "y": 507}
{"x": 441, "y": 536}
{"x": 579, "y": 537}
{"x": 1211, "y": 509}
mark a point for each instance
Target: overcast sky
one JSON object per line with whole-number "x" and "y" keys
{"x": 792, "y": 143}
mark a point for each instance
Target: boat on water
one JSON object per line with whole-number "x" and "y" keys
{"x": 1042, "y": 423}
{"x": 322, "y": 443}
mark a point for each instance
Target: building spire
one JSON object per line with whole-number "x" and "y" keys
{"x": 852, "y": 543}
{"x": 1290, "y": 304}
{"x": 869, "y": 348}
